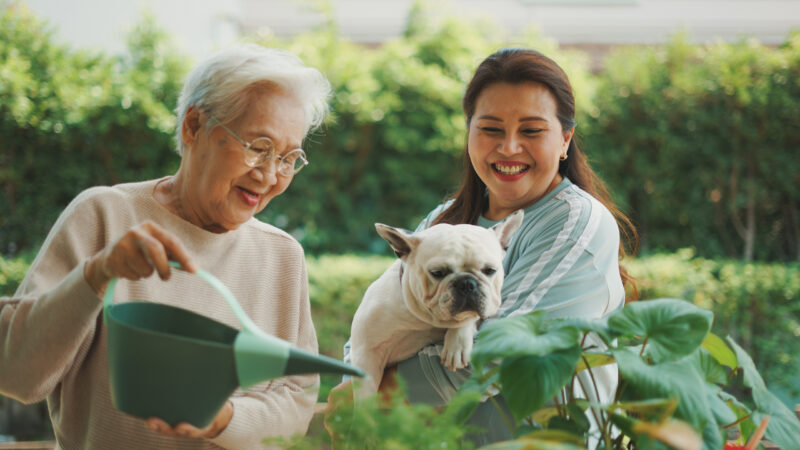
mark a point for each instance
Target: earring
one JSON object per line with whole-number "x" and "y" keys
{"x": 563, "y": 157}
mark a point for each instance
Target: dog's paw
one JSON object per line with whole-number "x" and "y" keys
{"x": 457, "y": 348}
{"x": 455, "y": 360}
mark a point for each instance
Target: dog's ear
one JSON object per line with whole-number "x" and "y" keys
{"x": 505, "y": 230}
{"x": 402, "y": 241}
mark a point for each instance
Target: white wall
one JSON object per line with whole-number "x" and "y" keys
{"x": 201, "y": 26}
{"x": 198, "y": 27}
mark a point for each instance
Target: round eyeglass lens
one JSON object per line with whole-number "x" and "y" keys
{"x": 259, "y": 151}
{"x": 294, "y": 161}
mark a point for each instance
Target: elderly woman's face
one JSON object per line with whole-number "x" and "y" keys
{"x": 223, "y": 191}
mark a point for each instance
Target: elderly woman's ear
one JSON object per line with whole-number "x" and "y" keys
{"x": 191, "y": 125}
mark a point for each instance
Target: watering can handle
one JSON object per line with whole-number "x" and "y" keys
{"x": 244, "y": 319}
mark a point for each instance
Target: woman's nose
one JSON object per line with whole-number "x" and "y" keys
{"x": 266, "y": 173}
{"x": 510, "y": 146}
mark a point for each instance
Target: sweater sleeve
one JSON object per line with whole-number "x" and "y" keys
{"x": 282, "y": 407}
{"x": 48, "y": 326}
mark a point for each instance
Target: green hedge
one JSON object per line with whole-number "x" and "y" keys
{"x": 696, "y": 142}
{"x": 757, "y": 304}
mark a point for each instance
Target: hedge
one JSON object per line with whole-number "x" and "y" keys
{"x": 696, "y": 142}
{"x": 758, "y": 304}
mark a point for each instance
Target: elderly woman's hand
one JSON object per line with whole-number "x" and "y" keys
{"x": 140, "y": 251}
{"x": 184, "y": 429}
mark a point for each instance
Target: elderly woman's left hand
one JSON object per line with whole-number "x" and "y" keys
{"x": 184, "y": 429}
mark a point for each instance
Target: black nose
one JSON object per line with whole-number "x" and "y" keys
{"x": 466, "y": 285}
{"x": 467, "y": 295}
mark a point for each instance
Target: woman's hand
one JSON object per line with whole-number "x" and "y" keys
{"x": 184, "y": 429}
{"x": 143, "y": 249}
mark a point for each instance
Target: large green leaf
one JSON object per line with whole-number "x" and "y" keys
{"x": 599, "y": 326}
{"x": 717, "y": 348}
{"x": 671, "y": 328}
{"x": 594, "y": 360}
{"x": 784, "y": 427}
{"x": 530, "y": 381}
{"x": 520, "y": 336}
{"x": 674, "y": 379}
{"x": 708, "y": 367}
{"x": 714, "y": 374}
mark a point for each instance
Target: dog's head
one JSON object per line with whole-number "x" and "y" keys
{"x": 452, "y": 273}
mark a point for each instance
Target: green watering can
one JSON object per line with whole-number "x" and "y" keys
{"x": 180, "y": 366}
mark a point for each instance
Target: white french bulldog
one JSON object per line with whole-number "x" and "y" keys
{"x": 446, "y": 279}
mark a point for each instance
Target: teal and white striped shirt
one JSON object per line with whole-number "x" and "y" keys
{"x": 562, "y": 260}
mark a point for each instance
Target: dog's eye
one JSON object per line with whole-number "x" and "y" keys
{"x": 440, "y": 273}
{"x": 488, "y": 271}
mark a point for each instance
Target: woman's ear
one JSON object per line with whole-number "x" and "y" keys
{"x": 191, "y": 126}
{"x": 568, "y": 137}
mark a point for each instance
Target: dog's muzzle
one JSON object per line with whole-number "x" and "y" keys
{"x": 467, "y": 295}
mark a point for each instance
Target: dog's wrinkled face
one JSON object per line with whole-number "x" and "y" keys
{"x": 457, "y": 272}
{"x": 453, "y": 273}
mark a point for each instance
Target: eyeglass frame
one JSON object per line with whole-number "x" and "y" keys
{"x": 281, "y": 163}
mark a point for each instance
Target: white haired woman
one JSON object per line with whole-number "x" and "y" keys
{"x": 242, "y": 117}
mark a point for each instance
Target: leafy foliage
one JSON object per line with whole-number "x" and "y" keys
{"x": 387, "y": 423}
{"x": 71, "y": 120}
{"x": 694, "y": 143}
{"x": 667, "y": 394}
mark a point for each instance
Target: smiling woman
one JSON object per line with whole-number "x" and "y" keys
{"x": 564, "y": 260}
{"x": 243, "y": 115}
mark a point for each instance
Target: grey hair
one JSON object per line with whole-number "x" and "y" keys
{"x": 218, "y": 85}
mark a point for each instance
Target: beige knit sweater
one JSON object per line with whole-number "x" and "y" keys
{"x": 53, "y": 342}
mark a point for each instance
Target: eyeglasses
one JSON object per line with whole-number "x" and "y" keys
{"x": 261, "y": 150}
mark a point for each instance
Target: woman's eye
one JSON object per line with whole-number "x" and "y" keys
{"x": 491, "y": 130}
{"x": 488, "y": 271}
{"x": 531, "y": 131}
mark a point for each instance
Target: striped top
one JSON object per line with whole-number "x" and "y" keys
{"x": 563, "y": 260}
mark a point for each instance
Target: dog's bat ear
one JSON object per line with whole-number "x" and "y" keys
{"x": 505, "y": 230}
{"x": 402, "y": 241}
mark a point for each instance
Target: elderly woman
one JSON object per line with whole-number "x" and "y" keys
{"x": 242, "y": 117}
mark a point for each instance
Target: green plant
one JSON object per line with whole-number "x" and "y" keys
{"x": 673, "y": 379}
{"x": 387, "y": 423}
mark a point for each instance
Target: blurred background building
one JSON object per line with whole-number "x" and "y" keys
{"x": 200, "y": 26}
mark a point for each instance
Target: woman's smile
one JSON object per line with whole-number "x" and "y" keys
{"x": 249, "y": 197}
{"x": 510, "y": 170}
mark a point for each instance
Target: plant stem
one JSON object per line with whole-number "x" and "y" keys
{"x": 600, "y": 424}
{"x": 508, "y": 423}
{"x": 644, "y": 344}
{"x": 737, "y": 422}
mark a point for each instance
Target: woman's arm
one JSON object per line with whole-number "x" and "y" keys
{"x": 42, "y": 336}
{"x": 50, "y": 322}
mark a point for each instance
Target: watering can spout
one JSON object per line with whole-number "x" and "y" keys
{"x": 261, "y": 357}
{"x": 301, "y": 361}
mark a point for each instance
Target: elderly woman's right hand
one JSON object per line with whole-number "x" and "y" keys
{"x": 143, "y": 249}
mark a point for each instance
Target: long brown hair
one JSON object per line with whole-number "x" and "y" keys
{"x": 515, "y": 66}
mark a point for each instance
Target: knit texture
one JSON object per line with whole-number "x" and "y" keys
{"x": 53, "y": 341}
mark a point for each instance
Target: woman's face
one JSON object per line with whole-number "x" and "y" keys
{"x": 515, "y": 142}
{"x": 222, "y": 192}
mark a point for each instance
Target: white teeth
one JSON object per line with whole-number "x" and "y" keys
{"x": 509, "y": 170}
